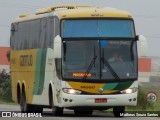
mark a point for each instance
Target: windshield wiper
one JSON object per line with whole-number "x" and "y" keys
{"x": 90, "y": 65}
{"x": 105, "y": 62}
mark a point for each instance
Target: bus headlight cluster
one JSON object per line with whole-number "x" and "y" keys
{"x": 129, "y": 90}
{"x": 71, "y": 91}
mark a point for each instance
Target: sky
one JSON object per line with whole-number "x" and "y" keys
{"x": 146, "y": 15}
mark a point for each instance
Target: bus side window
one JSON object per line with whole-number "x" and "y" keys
{"x": 56, "y": 30}
{"x": 43, "y": 33}
{"x": 35, "y": 26}
{"x": 13, "y": 37}
{"x": 49, "y": 34}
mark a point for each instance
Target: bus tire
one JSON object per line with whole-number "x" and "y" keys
{"x": 57, "y": 111}
{"x": 23, "y": 105}
{"x": 50, "y": 95}
{"x": 18, "y": 94}
{"x": 118, "y": 111}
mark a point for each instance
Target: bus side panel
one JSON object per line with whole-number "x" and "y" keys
{"x": 13, "y": 88}
{"x": 23, "y": 64}
{"x": 41, "y": 96}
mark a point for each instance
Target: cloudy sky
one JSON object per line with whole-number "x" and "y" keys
{"x": 146, "y": 14}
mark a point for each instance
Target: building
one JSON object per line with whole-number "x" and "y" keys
{"x": 4, "y": 63}
{"x": 144, "y": 69}
{"x": 156, "y": 66}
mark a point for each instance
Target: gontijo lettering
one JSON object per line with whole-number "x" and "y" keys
{"x": 26, "y": 60}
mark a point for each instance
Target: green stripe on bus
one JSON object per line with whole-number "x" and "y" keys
{"x": 110, "y": 86}
{"x": 118, "y": 85}
{"x": 40, "y": 71}
{"x": 37, "y": 73}
{"x": 123, "y": 85}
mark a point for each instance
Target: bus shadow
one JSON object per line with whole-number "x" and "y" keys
{"x": 71, "y": 114}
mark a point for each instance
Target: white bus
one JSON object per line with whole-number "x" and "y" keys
{"x": 82, "y": 58}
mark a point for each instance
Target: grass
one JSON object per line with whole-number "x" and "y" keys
{"x": 1, "y": 101}
{"x": 155, "y": 106}
{"x": 143, "y": 105}
{"x": 7, "y": 102}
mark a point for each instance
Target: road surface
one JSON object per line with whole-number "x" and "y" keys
{"x": 69, "y": 115}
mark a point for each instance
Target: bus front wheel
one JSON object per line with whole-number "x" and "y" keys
{"x": 57, "y": 111}
{"x": 119, "y": 111}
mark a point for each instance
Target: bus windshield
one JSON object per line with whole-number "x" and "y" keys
{"x": 80, "y": 56}
{"x": 87, "y": 54}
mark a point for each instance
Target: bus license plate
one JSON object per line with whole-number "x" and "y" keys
{"x": 100, "y": 100}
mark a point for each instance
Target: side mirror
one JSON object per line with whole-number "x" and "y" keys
{"x": 13, "y": 29}
{"x": 140, "y": 37}
{"x": 143, "y": 45}
{"x": 57, "y": 46}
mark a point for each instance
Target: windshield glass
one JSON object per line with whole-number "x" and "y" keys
{"x": 78, "y": 56}
{"x": 89, "y": 46}
{"x": 121, "y": 56}
{"x": 97, "y": 28}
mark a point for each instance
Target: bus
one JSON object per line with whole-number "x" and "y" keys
{"x": 82, "y": 58}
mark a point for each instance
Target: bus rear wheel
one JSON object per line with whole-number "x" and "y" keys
{"x": 26, "y": 108}
{"x": 118, "y": 111}
{"x": 23, "y": 105}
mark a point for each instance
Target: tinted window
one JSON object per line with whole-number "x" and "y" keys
{"x": 34, "y": 34}
{"x": 97, "y": 28}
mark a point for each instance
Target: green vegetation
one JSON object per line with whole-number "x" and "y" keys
{"x": 5, "y": 88}
{"x": 154, "y": 86}
{"x": 142, "y": 104}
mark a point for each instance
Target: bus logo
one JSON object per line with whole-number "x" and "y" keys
{"x": 100, "y": 90}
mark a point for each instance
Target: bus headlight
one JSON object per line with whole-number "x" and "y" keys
{"x": 71, "y": 91}
{"x": 129, "y": 90}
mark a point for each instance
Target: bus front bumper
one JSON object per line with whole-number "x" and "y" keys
{"x": 69, "y": 100}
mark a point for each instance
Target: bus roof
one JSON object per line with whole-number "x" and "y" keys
{"x": 63, "y": 12}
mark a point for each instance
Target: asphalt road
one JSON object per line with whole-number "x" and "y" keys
{"x": 69, "y": 115}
